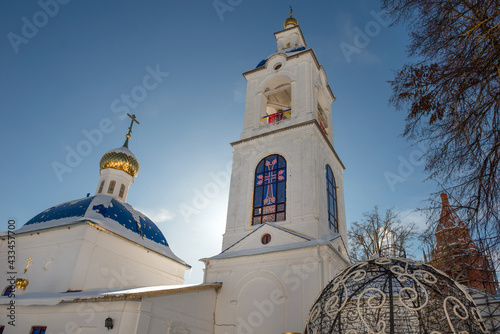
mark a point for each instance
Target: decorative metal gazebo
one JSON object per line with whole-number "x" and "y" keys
{"x": 394, "y": 295}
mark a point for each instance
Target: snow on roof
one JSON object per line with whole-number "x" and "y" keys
{"x": 123, "y": 149}
{"x": 108, "y": 213}
{"x": 54, "y": 298}
{"x": 262, "y": 225}
{"x": 288, "y": 52}
{"x": 296, "y": 245}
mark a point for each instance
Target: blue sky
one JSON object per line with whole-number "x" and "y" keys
{"x": 71, "y": 73}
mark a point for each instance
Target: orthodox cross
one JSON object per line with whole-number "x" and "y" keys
{"x": 130, "y": 128}
{"x": 270, "y": 177}
{"x": 27, "y": 265}
{"x": 131, "y": 124}
{"x": 291, "y": 10}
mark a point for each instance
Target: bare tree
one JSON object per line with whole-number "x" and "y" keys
{"x": 374, "y": 233}
{"x": 452, "y": 97}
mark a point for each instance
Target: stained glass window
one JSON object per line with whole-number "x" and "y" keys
{"x": 122, "y": 190}
{"x": 38, "y": 330}
{"x": 7, "y": 291}
{"x": 100, "y": 187}
{"x": 331, "y": 191}
{"x": 111, "y": 187}
{"x": 269, "y": 201}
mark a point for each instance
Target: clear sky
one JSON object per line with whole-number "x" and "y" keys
{"x": 71, "y": 70}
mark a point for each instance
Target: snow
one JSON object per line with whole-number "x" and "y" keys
{"x": 65, "y": 203}
{"x": 288, "y": 52}
{"x": 262, "y": 225}
{"x": 54, "y": 298}
{"x": 51, "y": 224}
{"x": 109, "y": 224}
{"x": 123, "y": 149}
{"x": 103, "y": 200}
{"x": 246, "y": 252}
{"x": 136, "y": 214}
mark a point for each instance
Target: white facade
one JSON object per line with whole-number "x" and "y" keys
{"x": 167, "y": 309}
{"x": 120, "y": 178}
{"x": 103, "y": 260}
{"x": 269, "y": 287}
{"x": 83, "y": 256}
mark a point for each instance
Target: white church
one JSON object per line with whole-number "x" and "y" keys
{"x": 96, "y": 265}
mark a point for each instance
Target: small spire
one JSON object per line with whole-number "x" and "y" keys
{"x": 444, "y": 199}
{"x": 28, "y": 264}
{"x": 290, "y": 21}
{"x": 130, "y": 129}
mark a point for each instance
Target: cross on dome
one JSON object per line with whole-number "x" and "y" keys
{"x": 113, "y": 181}
{"x": 28, "y": 264}
{"x": 128, "y": 135}
{"x": 290, "y": 21}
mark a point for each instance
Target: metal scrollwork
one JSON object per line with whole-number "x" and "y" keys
{"x": 394, "y": 295}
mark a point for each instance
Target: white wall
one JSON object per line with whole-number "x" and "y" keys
{"x": 167, "y": 314}
{"x": 183, "y": 313}
{"x": 81, "y": 257}
{"x": 75, "y": 318}
{"x": 307, "y": 154}
{"x": 271, "y": 292}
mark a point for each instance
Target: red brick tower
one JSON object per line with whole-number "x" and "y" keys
{"x": 457, "y": 255}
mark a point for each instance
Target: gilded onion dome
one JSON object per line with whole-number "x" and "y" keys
{"x": 290, "y": 20}
{"x": 122, "y": 159}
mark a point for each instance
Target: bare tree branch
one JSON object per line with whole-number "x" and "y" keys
{"x": 452, "y": 98}
{"x": 374, "y": 232}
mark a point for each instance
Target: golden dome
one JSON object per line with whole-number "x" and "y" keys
{"x": 122, "y": 159}
{"x": 21, "y": 283}
{"x": 291, "y": 20}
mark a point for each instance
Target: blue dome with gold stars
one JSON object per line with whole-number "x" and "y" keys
{"x": 106, "y": 207}
{"x": 107, "y": 213}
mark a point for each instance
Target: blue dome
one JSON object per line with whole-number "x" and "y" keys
{"x": 98, "y": 208}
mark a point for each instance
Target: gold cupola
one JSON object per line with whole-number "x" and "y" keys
{"x": 113, "y": 181}
{"x": 290, "y": 21}
{"x": 122, "y": 159}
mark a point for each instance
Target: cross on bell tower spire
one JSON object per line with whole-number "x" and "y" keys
{"x": 128, "y": 135}
{"x": 290, "y": 21}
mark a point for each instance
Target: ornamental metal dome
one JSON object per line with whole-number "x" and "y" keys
{"x": 120, "y": 158}
{"x": 290, "y": 20}
{"x": 394, "y": 295}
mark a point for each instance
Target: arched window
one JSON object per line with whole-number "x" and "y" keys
{"x": 331, "y": 191}
{"x": 111, "y": 188}
{"x": 38, "y": 329}
{"x": 269, "y": 200}
{"x": 122, "y": 190}
{"x": 278, "y": 101}
{"x": 101, "y": 186}
{"x": 7, "y": 291}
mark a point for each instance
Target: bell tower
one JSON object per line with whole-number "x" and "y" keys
{"x": 288, "y": 118}
{"x": 285, "y": 234}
